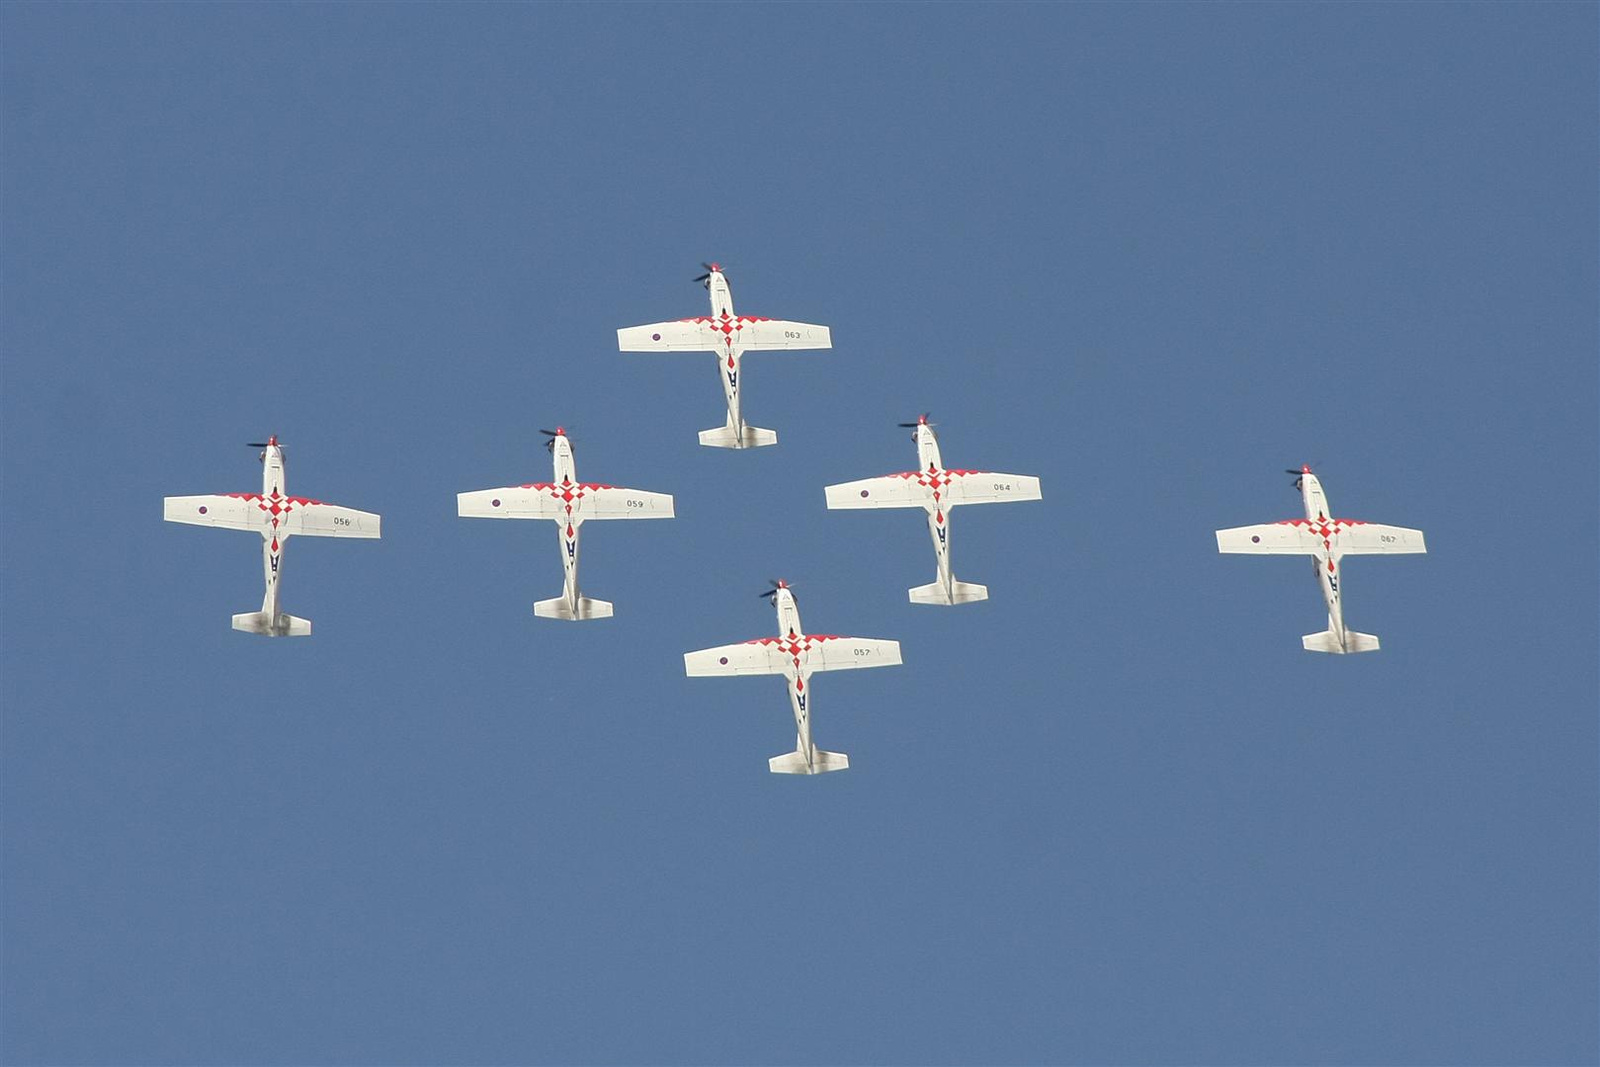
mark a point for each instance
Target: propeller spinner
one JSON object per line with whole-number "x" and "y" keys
{"x": 705, "y": 279}
{"x": 922, "y": 420}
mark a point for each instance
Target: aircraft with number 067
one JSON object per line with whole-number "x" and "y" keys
{"x": 569, "y": 503}
{"x": 730, "y": 336}
{"x": 936, "y": 489}
{"x": 796, "y": 655}
{"x": 1327, "y": 541}
{"x": 277, "y": 517}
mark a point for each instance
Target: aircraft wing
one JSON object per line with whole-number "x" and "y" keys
{"x": 750, "y": 657}
{"x": 611, "y": 502}
{"x": 1371, "y": 538}
{"x": 316, "y": 519}
{"x": 1271, "y": 539}
{"x": 889, "y": 491}
{"x": 511, "y": 502}
{"x": 706, "y": 334}
{"x": 989, "y": 487}
{"x": 769, "y": 335}
{"x": 851, "y": 653}
{"x": 682, "y": 335}
{"x": 230, "y": 511}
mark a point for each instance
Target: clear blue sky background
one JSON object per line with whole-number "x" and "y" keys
{"x": 1153, "y": 254}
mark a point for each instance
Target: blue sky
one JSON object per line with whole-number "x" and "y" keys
{"x": 1153, "y": 254}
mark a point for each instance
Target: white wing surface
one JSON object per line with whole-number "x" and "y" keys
{"x": 770, "y": 335}
{"x": 1371, "y": 538}
{"x": 230, "y": 511}
{"x": 611, "y": 502}
{"x": 752, "y": 657}
{"x": 511, "y": 502}
{"x": 1270, "y": 539}
{"x": 989, "y": 487}
{"x": 316, "y": 519}
{"x": 851, "y": 653}
{"x": 889, "y": 491}
{"x": 716, "y": 334}
{"x": 683, "y": 335}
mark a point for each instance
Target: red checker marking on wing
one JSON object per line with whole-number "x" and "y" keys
{"x": 727, "y": 325}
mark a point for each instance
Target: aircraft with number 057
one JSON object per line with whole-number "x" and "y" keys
{"x": 569, "y": 503}
{"x": 1327, "y": 541}
{"x": 730, "y": 336}
{"x": 796, "y": 655}
{"x": 276, "y": 516}
{"x": 936, "y": 489}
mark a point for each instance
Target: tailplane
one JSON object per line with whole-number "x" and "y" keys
{"x": 561, "y": 608}
{"x": 958, "y": 593}
{"x": 821, "y": 762}
{"x": 1328, "y": 641}
{"x": 729, "y": 437}
{"x": 260, "y": 622}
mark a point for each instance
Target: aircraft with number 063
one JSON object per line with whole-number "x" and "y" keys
{"x": 1327, "y": 541}
{"x": 569, "y": 503}
{"x": 277, "y": 517}
{"x": 936, "y": 489}
{"x": 796, "y": 655}
{"x": 730, "y": 336}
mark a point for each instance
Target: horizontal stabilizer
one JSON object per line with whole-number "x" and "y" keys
{"x": 561, "y": 608}
{"x": 728, "y": 437}
{"x": 820, "y": 763}
{"x": 959, "y": 593}
{"x": 259, "y": 622}
{"x": 1328, "y": 641}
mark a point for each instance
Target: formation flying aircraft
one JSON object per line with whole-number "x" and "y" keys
{"x": 730, "y": 336}
{"x": 796, "y": 655}
{"x": 569, "y": 503}
{"x": 936, "y": 490}
{"x": 1326, "y": 541}
{"x": 276, "y": 516}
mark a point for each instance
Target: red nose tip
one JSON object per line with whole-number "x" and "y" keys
{"x": 273, "y": 440}
{"x": 561, "y": 431}
{"x": 1305, "y": 468}
{"x": 716, "y": 267}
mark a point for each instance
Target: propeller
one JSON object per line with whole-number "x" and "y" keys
{"x": 922, "y": 420}
{"x": 559, "y": 431}
{"x": 705, "y": 279}
{"x": 1300, "y": 473}
{"x": 777, "y": 584}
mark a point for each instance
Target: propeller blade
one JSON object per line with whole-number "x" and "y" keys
{"x": 927, "y": 416}
{"x": 255, "y": 444}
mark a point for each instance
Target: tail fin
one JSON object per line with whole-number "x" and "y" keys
{"x": 560, "y": 608}
{"x": 1328, "y": 641}
{"x": 959, "y": 593}
{"x": 259, "y": 622}
{"x": 821, "y": 762}
{"x": 728, "y": 437}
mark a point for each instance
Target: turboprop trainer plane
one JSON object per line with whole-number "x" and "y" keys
{"x": 796, "y": 655}
{"x": 936, "y": 490}
{"x": 276, "y": 517}
{"x": 1326, "y": 541}
{"x": 569, "y": 503}
{"x": 730, "y": 336}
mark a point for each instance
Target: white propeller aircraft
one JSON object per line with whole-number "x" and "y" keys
{"x": 796, "y": 655}
{"x": 936, "y": 490}
{"x": 569, "y": 503}
{"x": 730, "y": 336}
{"x": 1326, "y": 541}
{"x": 276, "y": 517}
